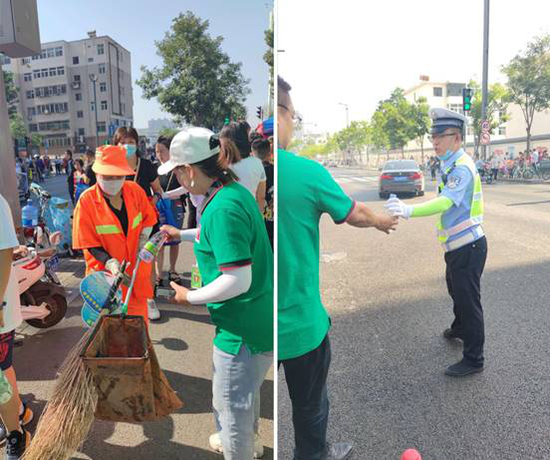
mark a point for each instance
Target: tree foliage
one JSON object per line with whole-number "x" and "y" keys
{"x": 197, "y": 82}
{"x": 12, "y": 93}
{"x": 529, "y": 80}
{"x": 17, "y": 127}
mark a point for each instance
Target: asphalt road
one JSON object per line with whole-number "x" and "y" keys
{"x": 388, "y": 301}
{"x": 183, "y": 343}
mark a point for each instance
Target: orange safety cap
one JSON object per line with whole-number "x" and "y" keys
{"x": 110, "y": 160}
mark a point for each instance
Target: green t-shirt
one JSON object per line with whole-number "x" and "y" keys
{"x": 308, "y": 191}
{"x": 232, "y": 234}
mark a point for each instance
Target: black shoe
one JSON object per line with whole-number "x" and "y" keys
{"x": 450, "y": 334}
{"x": 16, "y": 444}
{"x": 24, "y": 419}
{"x": 338, "y": 451}
{"x": 462, "y": 368}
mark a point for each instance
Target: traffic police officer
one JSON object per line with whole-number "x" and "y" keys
{"x": 460, "y": 206}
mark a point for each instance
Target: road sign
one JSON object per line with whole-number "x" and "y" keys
{"x": 485, "y": 125}
{"x": 485, "y": 138}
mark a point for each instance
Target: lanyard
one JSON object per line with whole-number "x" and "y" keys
{"x": 212, "y": 191}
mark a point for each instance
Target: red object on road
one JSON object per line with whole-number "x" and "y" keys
{"x": 411, "y": 454}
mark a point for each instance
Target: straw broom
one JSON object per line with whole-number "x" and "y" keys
{"x": 69, "y": 413}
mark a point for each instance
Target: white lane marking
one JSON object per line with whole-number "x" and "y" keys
{"x": 349, "y": 180}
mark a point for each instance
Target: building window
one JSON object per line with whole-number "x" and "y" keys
{"x": 100, "y": 49}
{"x": 4, "y": 60}
{"x": 78, "y": 96}
{"x": 101, "y": 127}
{"x": 502, "y": 130}
{"x": 438, "y": 91}
{"x": 44, "y": 73}
{"x": 81, "y": 132}
{"x": 103, "y": 105}
{"x": 36, "y": 57}
{"x": 61, "y": 71}
{"x": 75, "y": 60}
{"x": 59, "y": 51}
{"x": 91, "y": 59}
{"x": 30, "y": 94}
{"x": 36, "y": 73}
{"x": 33, "y": 127}
{"x": 92, "y": 106}
{"x": 31, "y": 111}
{"x": 27, "y": 76}
{"x": 76, "y": 78}
{"x": 43, "y": 54}
{"x": 26, "y": 60}
{"x": 103, "y": 87}
{"x": 79, "y": 114}
{"x": 53, "y": 72}
{"x": 101, "y": 68}
{"x": 50, "y": 52}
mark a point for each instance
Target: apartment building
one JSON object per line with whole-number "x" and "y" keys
{"x": 56, "y": 92}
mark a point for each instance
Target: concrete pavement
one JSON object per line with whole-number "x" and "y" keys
{"x": 389, "y": 305}
{"x": 183, "y": 342}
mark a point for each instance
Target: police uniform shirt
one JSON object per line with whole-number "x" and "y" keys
{"x": 459, "y": 189}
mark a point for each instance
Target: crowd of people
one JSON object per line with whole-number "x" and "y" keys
{"x": 223, "y": 183}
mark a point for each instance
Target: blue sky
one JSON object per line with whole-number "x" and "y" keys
{"x": 136, "y": 24}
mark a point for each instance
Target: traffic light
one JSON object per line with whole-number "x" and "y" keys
{"x": 259, "y": 112}
{"x": 467, "y": 95}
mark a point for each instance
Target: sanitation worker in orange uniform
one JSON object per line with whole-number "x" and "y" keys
{"x": 112, "y": 221}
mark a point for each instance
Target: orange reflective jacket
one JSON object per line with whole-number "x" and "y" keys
{"x": 95, "y": 225}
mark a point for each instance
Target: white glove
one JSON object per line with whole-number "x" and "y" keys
{"x": 397, "y": 208}
{"x": 113, "y": 266}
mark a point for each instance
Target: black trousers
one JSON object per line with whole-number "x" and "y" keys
{"x": 306, "y": 378}
{"x": 464, "y": 269}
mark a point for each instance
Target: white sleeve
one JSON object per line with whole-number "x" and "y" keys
{"x": 227, "y": 286}
{"x": 188, "y": 235}
{"x": 261, "y": 171}
{"x": 8, "y": 238}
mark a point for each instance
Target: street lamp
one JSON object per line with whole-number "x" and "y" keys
{"x": 347, "y": 113}
{"x": 93, "y": 79}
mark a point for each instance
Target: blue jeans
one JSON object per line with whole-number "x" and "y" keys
{"x": 236, "y": 399}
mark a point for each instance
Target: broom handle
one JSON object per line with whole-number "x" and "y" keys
{"x": 130, "y": 289}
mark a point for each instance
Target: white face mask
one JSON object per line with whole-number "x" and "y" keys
{"x": 111, "y": 187}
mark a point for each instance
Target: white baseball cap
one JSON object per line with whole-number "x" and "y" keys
{"x": 190, "y": 146}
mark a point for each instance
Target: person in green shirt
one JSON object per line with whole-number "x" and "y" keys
{"x": 306, "y": 193}
{"x": 236, "y": 265}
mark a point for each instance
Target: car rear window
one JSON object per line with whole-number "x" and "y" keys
{"x": 400, "y": 165}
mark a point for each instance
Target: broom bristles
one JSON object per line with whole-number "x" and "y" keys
{"x": 69, "y": 414}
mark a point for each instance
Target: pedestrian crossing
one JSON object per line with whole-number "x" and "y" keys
{"x": 355, "y": 179}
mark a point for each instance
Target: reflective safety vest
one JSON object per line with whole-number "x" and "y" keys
{"x": 95, "y": 225}
{"x": 476, "y": 205}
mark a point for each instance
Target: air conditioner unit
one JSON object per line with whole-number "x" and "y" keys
{"x": 19, "y": 33}
{"x": 76, "y": 85}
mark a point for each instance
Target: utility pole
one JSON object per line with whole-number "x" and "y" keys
{"x": 93, "y": 79}
{"x": 484, "y": 83}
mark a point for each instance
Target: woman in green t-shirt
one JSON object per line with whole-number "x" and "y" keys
{"x": 236, "y": 265}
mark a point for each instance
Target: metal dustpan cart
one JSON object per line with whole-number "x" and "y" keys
{"x": 130, "y": 384}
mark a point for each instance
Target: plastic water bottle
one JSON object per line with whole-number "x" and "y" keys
{"x": 152, "y": 247}
{"x": 29, "y": 215}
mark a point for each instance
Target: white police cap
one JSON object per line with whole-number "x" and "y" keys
{"x": 443, "y": 119}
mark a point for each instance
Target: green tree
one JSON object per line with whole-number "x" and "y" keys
{"x": 420, "y": 122}
{"x": 498, "y": 99}
{"x": 12, "y": 94}
{"x": 197, "y": 82}
{"x": 17, "y": 127}
{"x": 397, "y": 120}
{"x": 379, "y": 135}
{"x": 36, "y": 139}
{"x": 168, "y": 132}
{"x": 529, "y": 80}
{"x": 268, "y": 58}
